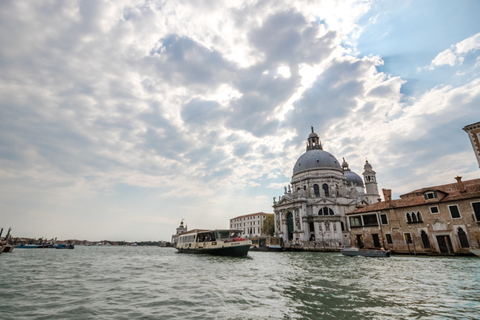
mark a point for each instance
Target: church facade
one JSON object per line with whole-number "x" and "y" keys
{"x": 322, "y": 191}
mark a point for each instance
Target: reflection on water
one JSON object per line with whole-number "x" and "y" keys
{"x": 158, "y": 283}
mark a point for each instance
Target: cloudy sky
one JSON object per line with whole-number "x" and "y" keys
{"x": 120, "y": 118}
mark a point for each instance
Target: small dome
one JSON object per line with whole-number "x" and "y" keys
{"x": 353, "y": 177}
{"x": 312, "y": 135}
{"x": 316, "y": 159}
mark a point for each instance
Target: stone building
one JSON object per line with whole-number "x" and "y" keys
{"x": 251, "y": 224}
{"x": 181, "y": 229}
{"x": 442, "y": 219}
{"x": 313, "y": 209}
{"x": 473, "y": 131}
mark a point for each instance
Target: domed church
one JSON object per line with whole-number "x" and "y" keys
{"x": 313, "y": 207}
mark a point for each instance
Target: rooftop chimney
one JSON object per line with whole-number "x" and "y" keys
{"x": 387, "y": 195}
{"x": 460, "y": 185}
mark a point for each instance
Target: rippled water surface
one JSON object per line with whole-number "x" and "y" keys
{"x": 159, "y": 283}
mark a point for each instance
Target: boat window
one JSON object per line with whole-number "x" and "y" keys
{"x": 223, "y": 234}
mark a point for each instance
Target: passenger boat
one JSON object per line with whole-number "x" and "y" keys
{"x": 380, "y": 253}
{"x": 220, "y": 242}
{"x": 475, "y": 252}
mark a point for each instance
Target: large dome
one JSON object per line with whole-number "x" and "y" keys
{"x": 353, "y": 177}
{"x": 316, "y": 159}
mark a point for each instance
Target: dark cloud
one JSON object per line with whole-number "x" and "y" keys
{"x": 286, "y": 37}
{"x": 200, "y": 113}
{"x": 183, "y": 62}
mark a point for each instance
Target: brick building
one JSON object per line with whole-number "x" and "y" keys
{"x": 442, "y": 219}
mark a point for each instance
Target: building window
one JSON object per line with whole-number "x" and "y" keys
{"x": 462, "y": 237}
{"x": 414, "y": 217}
{"x": 434, "y": 210}
{"x": 476, "y": 210}
{"x": 316, "y": 190}
{"x": 409, "y": 219}
{"x": 370, "y": 220}
{"x": 419, "y": 217}
{"x": 326, "y": 212}
{"x": 325, "y": 190}
{"x": 355, "y": 221}
{"x": 454, "y": 211}
{"x": 408, "y": 237}
{"x": 383, "y": 218}
{"x": 430, "y": 195}
{"x": 388, "y": 236}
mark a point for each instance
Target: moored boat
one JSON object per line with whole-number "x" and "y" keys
{"x": 266, "y": 244}
{"x": 475, "y": 252}
{"x": 221, "y": 242}
{"x": 6, "y": 247}
{"x": 380, "y": 253}
{"x": 26, "y": 246}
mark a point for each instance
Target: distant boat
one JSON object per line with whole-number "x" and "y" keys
{"x": 266, "y": 244}
{"x": 475, "y": 252}
{"x": 223, "y": 242}
{"x": 26, "y": 246}
{"x": 380, "y": 253}
{"x": 64, "y": 246}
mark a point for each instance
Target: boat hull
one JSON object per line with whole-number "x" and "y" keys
{"x": 8, "y": 248}
{"x": 232, "y": 251}
{"x": 475, "y": 252}
{"x": 366, "y": 253}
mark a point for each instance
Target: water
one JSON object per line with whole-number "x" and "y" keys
{"x": 158, "y": 283}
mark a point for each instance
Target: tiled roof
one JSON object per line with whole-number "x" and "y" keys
{"x": 450, "y": 192}
{"x": 251, "y": 215}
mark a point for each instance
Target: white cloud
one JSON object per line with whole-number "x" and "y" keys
{"x": 455, "y": 55}
{"x": 173, "y": 110}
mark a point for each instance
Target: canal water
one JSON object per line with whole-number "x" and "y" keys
{"x": 159, "y": 283}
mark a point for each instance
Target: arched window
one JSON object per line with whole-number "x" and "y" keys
{"x": 425, "y": 241}
{"x": 419, "y": 217}
{"x": 316, "y": 190}
{"x": 462, "y": 236}
{"x": 325, "y": 212}
{"x": 342, "y": 225}
{"x": 290, "y": 225}
{"x": 414, "y": 217}
{"x": 325, "y": 190}
{"x": 409, "y": 219}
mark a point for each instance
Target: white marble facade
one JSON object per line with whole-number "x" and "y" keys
{"x": 321, "y": 192}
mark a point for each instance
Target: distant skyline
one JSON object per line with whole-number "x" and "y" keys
{"x": 120, "y": 118}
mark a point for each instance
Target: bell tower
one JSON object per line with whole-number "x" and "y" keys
{"x": 369, "y": 176}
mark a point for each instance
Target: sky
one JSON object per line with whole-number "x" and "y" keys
{"x": 118, "y": 119}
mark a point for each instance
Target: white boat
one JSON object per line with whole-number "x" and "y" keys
{"x": 381, "y": 253}
{"x": 475, "y": 252}
{"x": 222, "y": 242}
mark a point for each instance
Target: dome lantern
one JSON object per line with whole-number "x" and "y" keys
{"x": 313, "y": 142}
